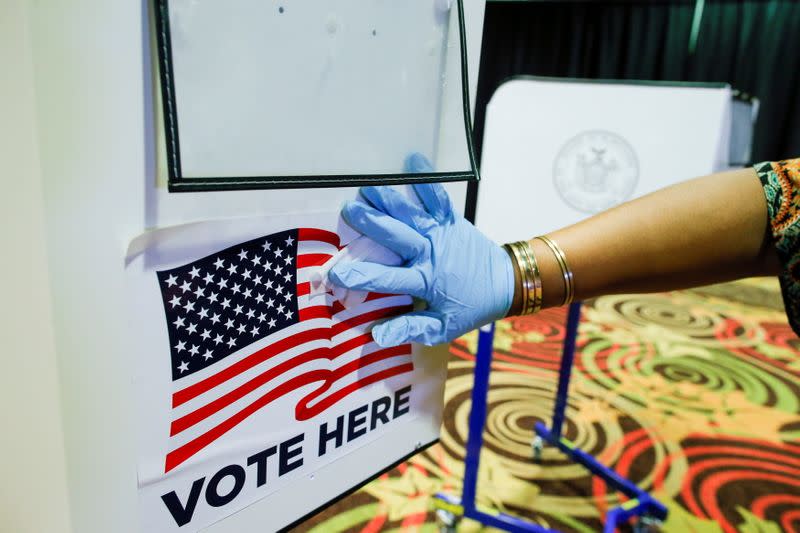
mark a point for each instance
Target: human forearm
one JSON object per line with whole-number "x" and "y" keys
{"x": 702, "y": 231}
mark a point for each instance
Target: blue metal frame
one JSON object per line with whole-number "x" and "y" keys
{"x": 640, "y": 504}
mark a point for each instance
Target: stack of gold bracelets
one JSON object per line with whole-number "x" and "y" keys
{"x": 522, "y": 252}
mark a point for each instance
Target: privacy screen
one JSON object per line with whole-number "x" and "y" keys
{"x": 266, "y": 94}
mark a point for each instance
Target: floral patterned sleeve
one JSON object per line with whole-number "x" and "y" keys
{"x": 781, "y": 183}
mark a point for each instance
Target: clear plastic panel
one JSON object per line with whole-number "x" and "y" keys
{"x": 319, "y": 92}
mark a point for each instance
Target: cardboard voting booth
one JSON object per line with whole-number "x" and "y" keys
{"x": 192, "y": 170}
{"x": 556, "y": 151}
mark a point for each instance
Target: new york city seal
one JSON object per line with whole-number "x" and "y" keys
{"x": 595, "y": 170}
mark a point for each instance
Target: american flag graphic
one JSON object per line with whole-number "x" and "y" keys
{"x": 245, "y": 330}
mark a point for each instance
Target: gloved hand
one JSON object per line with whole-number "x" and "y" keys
{"x": 359, "y": 249}
{"x": 466, "y": 279}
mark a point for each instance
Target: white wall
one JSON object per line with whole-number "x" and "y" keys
{"x": 88, "y": 74}
{"x": 33, "y": 495}
{"x": 75, "y": 211}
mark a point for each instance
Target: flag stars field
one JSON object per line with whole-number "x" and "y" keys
{"x": 213, "y": 302}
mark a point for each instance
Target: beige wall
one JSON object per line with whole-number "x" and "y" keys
{"x": 75, "y": 167}
{"x": 33, "y": 494}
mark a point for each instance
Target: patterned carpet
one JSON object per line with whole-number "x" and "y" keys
{"x": 694, "y": 395}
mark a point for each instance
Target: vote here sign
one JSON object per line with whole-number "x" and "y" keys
{"x": 248, "y": 378}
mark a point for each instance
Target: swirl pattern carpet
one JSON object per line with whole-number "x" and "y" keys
{"x": 695, "y": 395}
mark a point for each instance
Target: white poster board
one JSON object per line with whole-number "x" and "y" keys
{"x": 557, "y": 151}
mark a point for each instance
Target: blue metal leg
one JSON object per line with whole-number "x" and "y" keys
{"x": 640, "y": 504}
{"x": 477, "y": 414}
{"x": 565, "y": 370}
{"x": 611, "y": 477}
{"x": 477, "y": 420}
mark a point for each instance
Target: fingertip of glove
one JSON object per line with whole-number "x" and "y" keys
{"x": 346, "y": 207}
{"x": 417, "y": 163}
{"x": 436, "y": 200}
{"x": 351, "y": 210}
{"x": 385, "y": 336}
{"x": 373, "y": 194}
{"x": 337, "y": 274}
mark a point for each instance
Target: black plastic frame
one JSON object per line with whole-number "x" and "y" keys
{"x": 179, "y": 183}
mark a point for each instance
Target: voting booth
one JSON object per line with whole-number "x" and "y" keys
{"x": 186, "y": 163}
{"x": 570, "y": 148}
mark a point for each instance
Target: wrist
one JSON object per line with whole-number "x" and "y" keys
{"x": 552, "y": 279}
{"x": 516, "y": 284}
{"x": 529, "y": 286}
{"x": 542, "y": 277}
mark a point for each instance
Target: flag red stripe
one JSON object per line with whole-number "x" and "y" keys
{"x": 320, "y": 311}
{"x": 303, "y": 288}
{"x": 368, "y": 317}
{"x": 181, "y": 454}
{"x": 304, "y": 412}
{"x": 310, "y": 260}
{"x": 220, "y": 403}
{"x": 315, "y": 234}
{"x": 315, "y": 311}
{"x": 370, "y": 358}
{"x": 225, "y": 400}
{"x": 193, "y": 391}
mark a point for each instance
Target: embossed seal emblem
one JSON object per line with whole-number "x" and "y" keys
{"x": 595, "y": 170}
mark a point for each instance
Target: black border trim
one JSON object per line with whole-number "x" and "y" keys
{"x": 169, "y": 109}
{"x": 356, "y": 487}
{"x": 178, "y": 183}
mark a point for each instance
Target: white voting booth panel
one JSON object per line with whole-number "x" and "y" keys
{"x": 558, "y": 151}
{"x": 96, "y": 162}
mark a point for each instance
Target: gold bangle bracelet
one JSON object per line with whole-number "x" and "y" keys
{"x": 526, "y": 276}
{"x": 530, "y": 276}
{"x": 561, "y": 259}
{"x": 536, "y": 302}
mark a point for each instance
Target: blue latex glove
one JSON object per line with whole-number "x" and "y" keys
{"x": 466, "y": 279}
